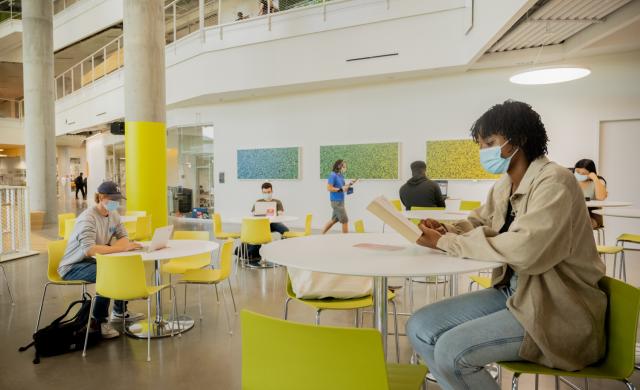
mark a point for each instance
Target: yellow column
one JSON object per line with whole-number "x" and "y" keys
{"x": 146, "y": 167}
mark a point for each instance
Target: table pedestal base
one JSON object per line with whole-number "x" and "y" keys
{"x": 163, "y": 328}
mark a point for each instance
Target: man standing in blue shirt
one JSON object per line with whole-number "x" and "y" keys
{"x": 337, "y": 189}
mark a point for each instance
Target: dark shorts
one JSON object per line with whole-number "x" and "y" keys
{"x": 339, "y": 212}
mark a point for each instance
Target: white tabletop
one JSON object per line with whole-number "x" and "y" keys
{"x": 174, "y": 249}
{"x": 439, "y": 215}
{"x": 336, "y": 254}
{"x": 607, "y": 203}
{"x": 128, "y": 218}
{"x": 623, "y": 212}
{"x": 274, "y": 219}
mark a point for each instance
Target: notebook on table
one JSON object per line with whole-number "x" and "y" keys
{"x": 160, "y": 239}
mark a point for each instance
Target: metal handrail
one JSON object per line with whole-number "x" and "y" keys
{"x": 12, "y": 14}
{"x": 68, "y": 75}
{"x": 19, "y": 113}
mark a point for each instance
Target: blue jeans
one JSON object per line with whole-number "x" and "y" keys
{"x": 86, "y": 270}
{"x": 457, "y": 337}
{"x": 253, "y": 251}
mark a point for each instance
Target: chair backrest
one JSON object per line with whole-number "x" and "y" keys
{"x": 217, "y": 224}
{"x": 130, "y": 227}
{"x": 359, "y": 225}
{"x": 55, "y": 251}
{"x": 397, "y": 204}
{"x": 307, "y": 225}
{"x": 143, "y": 227}
{"x": 278, "y": 354}
{"x": 469, "y": 205}
{"x": 136, "y": 213}
{"x": 121, "y": 277}
{"x": 621, "y": 325}
{"x": 226, "y": 259}
{"x": 61, "y": 223}
{"x": 69, "y": 224}
{"x": 255, "y": 231}
{"x": 191, "y": 235}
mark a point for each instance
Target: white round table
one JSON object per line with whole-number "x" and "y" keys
{"x": 340, "y": 254}
{"x": 438, "y": 215}
{"x": 622, "y": 212}
{"x": 607, "y": 203}
{"x": 128, "y": 218}
{"x": 273, "y": 219}
{"x": 175, "y": 249}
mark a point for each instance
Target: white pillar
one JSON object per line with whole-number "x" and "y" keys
{"x": 39, "y": 121}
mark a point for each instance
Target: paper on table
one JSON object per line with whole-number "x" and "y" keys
{"x": 383, "y": 209}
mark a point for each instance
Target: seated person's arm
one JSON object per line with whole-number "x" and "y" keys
{"x": 87, "y": 238}
{"x": 478, "y": 217}
{"x": 600, "y": 187}
{"x": 536, "y": 241}
{"x": 279, "y": 208}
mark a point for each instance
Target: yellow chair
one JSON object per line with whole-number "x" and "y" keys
{"x": 621, "y": 327}
{"x": 61, "y": 222}
{"x": 307, "y": 229}
{"x": 359, "y": 226}
{"x": 215, "y": 277}
{"x": 136, "y": 213}
{"x": 123, "y": 278}
{"x": 254, "y": 231}
{"x": 469, "y": 205}
{"x": 356, "y": 304}
{"x": 131, "y": 228}
{"x": 144, "y": 231}
{"x": 622, "y": 239}
{"x": 285, "y": 355}
{"x": 604, "y": 250}
{"x": 218, "y": 233}
{"x": 397, "y": 204}
{"x": 69, "y": 224}
{"x": 481, "y": 281}
{"x": 181, "y": 265}
{"x": 55, "y": 251}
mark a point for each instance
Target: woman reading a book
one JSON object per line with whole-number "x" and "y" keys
{"x": 544, "y": 305}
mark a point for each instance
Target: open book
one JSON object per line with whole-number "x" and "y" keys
{"x": 383, "y": 209}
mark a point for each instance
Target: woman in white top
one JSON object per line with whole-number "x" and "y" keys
{"x": 593, "y": 186}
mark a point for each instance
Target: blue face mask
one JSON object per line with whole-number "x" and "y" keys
{"x": 492, "y": 160}
{"x": 112, "y": 205}
{"x": 580, "y": 177}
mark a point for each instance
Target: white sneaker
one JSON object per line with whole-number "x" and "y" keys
{"x": 107, "y": 331}
{"x": 128, "y": 316}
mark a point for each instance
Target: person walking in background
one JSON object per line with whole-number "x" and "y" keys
{"x": 419, "y": 191}
{"x": 79, "y": 182}
{"x": 337, "y": 190}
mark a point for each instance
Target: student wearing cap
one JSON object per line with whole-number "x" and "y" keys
{"x": 98, "y": 230}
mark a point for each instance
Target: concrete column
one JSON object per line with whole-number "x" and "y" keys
{"x": 39, "y": 121}
{"x": 145, "y": 109}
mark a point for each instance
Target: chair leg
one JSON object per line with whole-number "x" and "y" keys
{"x": 536, "y": 380}
{"x": 514, "y": 381}
{"x": 200, "y": 301}
{"x": 86, "y": 335}
{"x": 629, "y": 385}
{"x": 233, "y": 300}
{"x": 357, "y": 319}
{"x": 396, "y": 331}
{"x": 176, "y": 318}
{"x": 226, "y": 310}
{"x": 557, "y": 380}
{"x": 44, "y": 293}
{"x": 217, "y": 296}
{"x": 170, "y": 290}
{"x": 318, "y": 316}
{"x": 149, "y": 329}
{"x": 286, "y": 307}
{"x": 8, "y": 287}
{"x": 185, "y": 298}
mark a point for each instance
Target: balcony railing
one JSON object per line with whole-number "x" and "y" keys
{"x": 61, "y": 5}
{"x": 11, "y": 109}
{"x": 182, "y": 18}
{"x": 10, "y": 10}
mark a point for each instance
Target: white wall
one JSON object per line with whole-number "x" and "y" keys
{"x": 11, "y": 131}
{"x": 83, "y": 19}
{"x": 96, "y": 159}
{"x": 409, "y": 112}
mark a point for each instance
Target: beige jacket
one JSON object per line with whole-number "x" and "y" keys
{"x": 550, "y": 245}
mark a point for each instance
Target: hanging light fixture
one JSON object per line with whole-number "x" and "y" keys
{"x": 549, "y": 75}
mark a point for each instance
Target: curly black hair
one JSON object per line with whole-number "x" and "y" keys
{"x": 518, "y": 123}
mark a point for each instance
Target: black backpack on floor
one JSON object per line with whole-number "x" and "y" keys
{"x": 62, "y": 336}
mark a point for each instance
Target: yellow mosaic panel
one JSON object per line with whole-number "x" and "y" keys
{"x": 455, "y": 159}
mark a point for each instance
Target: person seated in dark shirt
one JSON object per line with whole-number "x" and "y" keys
{"x": 419, "y": 191}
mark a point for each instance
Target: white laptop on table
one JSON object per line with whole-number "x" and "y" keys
{"x": 160, "y": 239}
{"x": 262, "y": 209}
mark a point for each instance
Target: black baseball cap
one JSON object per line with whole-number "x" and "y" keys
{"x": 110, "y": 188}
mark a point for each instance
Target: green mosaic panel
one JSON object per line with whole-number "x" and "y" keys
{"x": 364, "y": 161}
{"x": 268, "y": 164}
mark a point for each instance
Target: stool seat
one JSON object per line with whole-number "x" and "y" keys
{"x": 609, "y": 250}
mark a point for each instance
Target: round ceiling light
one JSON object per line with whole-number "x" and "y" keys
{"x": 549, "y": 76}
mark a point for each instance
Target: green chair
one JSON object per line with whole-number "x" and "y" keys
{"x": 285, "y": 355}
{"x": 621, "y": 324}
{"x": 470, "y": 205}
{"x": 356, "y": 304}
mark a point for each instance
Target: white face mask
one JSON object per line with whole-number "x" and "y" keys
{"x": 267, "y": 196}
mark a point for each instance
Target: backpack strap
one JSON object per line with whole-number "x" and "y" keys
{"x": 71, "y": 306}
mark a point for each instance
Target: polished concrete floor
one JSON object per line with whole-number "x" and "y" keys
{"x": 205, "y": 357}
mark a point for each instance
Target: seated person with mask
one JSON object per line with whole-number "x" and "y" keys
{"x": 419, "y": 191}
{"x": 253, "y": 251}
